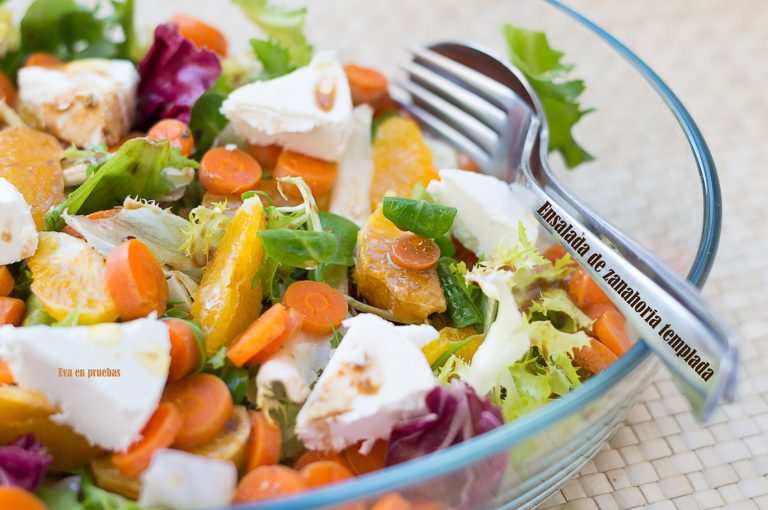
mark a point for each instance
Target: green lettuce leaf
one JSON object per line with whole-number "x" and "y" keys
{"x": 207, "y": 121}
{"x": 284, "y": 27}
{"x": 138, "y": 169}
{"x": 555, "y": 306}
{"x": 542, "y": 66}
{"x": 275, "y": 60}
{"x": 93, "y": 498}
{"x": 206, "y": 228}
{"x": 552, "y": 342}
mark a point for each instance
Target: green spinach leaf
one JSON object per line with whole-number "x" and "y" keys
{"x": 207, "y": 121}
{"x": 461, "y": 307}
{"x": 346, "y": 238}
{"x": 298, "y": 248}
{"x": 419, "y": 216}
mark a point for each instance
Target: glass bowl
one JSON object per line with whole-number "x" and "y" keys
{"x": 653, "y": 176}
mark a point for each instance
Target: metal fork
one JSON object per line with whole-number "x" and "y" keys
{"x": 487, "y": 109}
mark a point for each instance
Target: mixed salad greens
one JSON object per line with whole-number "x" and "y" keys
{"x": 226, "y": 280}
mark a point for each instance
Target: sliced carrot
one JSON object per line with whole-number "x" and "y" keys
{"x": 201, "y": 34}
{"x": 43, "y": 59}
{"x": 11, "y": 311}
{"x": 554, "y": 253}
{"x": 410, "y": 251}
{"x": 268, "y": 482}
{"x": 584, "y": 291}
{"x": 6, "y": 377}
{"x": 129, "y": 136}
{"x": 367, "y": 86}
{"x": 368, "y": 463}
{"x": 229, "y": 172}
{"x": 7, "y": 90}
{"x": 159, "y": 432}
{"x": 593, "y": 358}
{"x": 185, "y": 351}
{"x": 6, "y": 281}
{"x": 136, "y": 281}
{"x": 594, "y": 311}
{"x": 609, "y": 329}
{"x": 14, "y": 498}
{"x": 323, "y": 306}
{"x": 427, "y": 505}
{"x": 265, "y": 330}
{"x": 318, "y": 174}
{"x": 266, "y": 155}
{"x": 467, "y": 163}
{"x": 325, "y": 472}
{"x": 310, "y": 456}
{"x": 266, "y": 442}
{"x": 205, "y": 404}
{"x": 176, "y": 132}
{"x": 294, "y": 322}
{"x": 392, "y": 501}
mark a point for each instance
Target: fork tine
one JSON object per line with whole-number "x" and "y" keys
{"x": 473, "y": 104}
{"x": 461, "y": 121}
{"x": 489, "y": 88}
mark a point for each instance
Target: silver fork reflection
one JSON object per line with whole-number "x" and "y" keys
{"x": 487, "y": 109}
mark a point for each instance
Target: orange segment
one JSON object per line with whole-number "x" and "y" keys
{"x": 68, "y": 274}
{"x": 226, "y": 303}
{"x": 411, "y": 295}
{"x": 401, "y": 160}
{"x": 30, "y": 160}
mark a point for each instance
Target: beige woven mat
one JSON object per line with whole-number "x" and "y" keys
{"x": 714, "y": 55}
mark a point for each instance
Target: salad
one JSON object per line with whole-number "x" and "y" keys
{"x": 229, "y": 279}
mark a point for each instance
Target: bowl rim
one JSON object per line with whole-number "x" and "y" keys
{"x": 478, "y": 448}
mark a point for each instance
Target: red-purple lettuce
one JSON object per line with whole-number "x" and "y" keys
{"x": 456, "y": 414}
{"x": 174, "y": 74}
{"x": 24, "y": 463}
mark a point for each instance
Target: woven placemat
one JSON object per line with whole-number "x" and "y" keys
{"x": 661, "y": 458}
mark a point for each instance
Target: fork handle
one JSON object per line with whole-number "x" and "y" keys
{"x": 666, "y": 311}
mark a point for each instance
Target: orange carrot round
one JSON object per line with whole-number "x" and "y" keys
{"x": 136, "y": 281}
{"x": 14, "y": 498}
{"x": 268, "y": 328}
{"x": 205, "y": 405}
{"x": 609, "y": 329}
{"x": 392, "y": 501}
{"x": 593, "y": 358}
{"x": 266, "y": 155}
{"x": 584, "y": 291}
{"x": 325, "y": 472}
{"x": 176, "y": 132}
{"x": 43, "y": 59}
{"x": 11, "y": 311}
{"x": 294, "y": 321}
{"x": 410, "y": 251}
{"x": 268, "y": 482}
{"x": 185, "y": 351}
{"x": 6, "y": 377}
{"x": 318, "y": 174}
{"x": 6, "y": 281}
{"x": 229, "y": 172}
{"x": 366, "y": 85}
{"x": 266, "y": 442}
{"x": 159, "y": 432}
{"x": 7, "y": 90}
{"x": 310, "y": 456}
{"x": 594, "y": 311}
{"x": 367, "y": 463}
{"x": 201, "y": 34}
{"x": 323, "y": 306}
{"x": 554, "y": 253}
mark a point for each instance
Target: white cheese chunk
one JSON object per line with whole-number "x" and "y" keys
{"x": 18, "y": 234}
{"x": 106, "y": 379}
{"x": 306, "y": 111}
{"x": 84, "y": 102}
{"x": 375, "y": 378}
{"x": 351, "y": 194}
{"x": 488, "y": 210}
{"x": 184, "y": 481}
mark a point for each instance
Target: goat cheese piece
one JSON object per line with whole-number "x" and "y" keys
{"x": 488, "y": 210}
{"x": 107, "y": 379}
{"x": 351, "y": 194}
{"x": 375, "y": 378}
{"x": 18, "y": 234}
{"x": 84, "y": 102}
{"x": 306, "y": 111}
{"x": 181, "y": 480}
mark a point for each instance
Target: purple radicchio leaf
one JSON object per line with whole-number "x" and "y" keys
{"x": 456, "y": 414}
{"x": 23, "y": 463}
{"x": 174, "y": 74}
